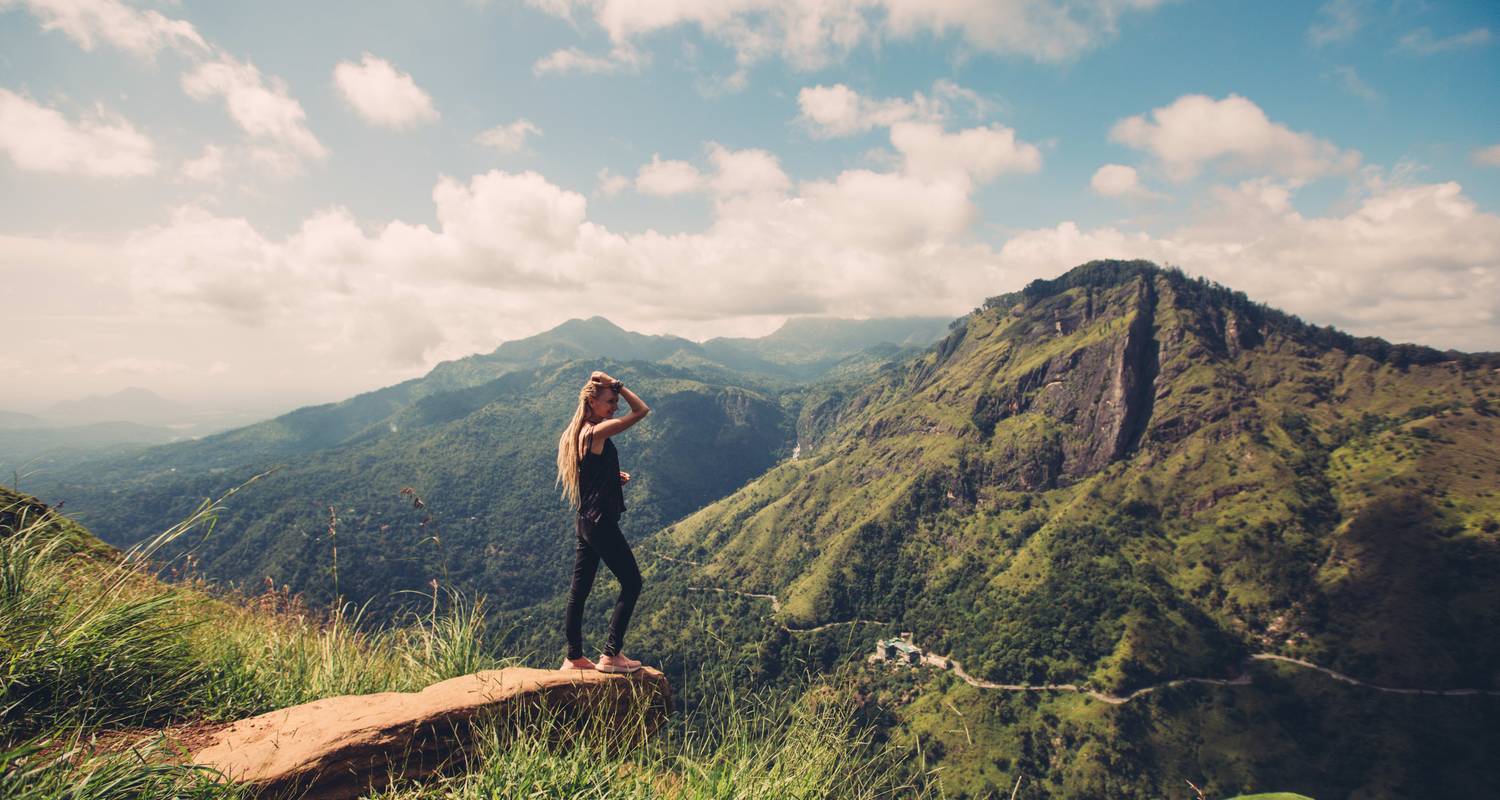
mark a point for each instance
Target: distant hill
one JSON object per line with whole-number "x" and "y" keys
{"x": 802, "y": 349}
{"x": 46, "y": 447}
{"x": 16, "y": 419}
{"x": 140, "y": 406}
{"x": 814, "y": 342}
{"x": 475, "y": 437}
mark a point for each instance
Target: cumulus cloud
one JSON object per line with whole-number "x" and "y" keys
{"x": 89, "y": 22}
{"x": 509, "y": 138}
{"x": 860, "y": 243}
{"x": 746, "y": 172}
{"x": 1196, "y": 130}
{"x": 1487, "y": 156}
{"x": 382, "y": 95}
{"x": 664, "y": 178}
{"x": 980, "y": 154}
{"x": 811, "y": 34}
{"x": 41, "y": 139}
{"x": 513, "y": 253}
{"x": 837, "y": 110}
{"x": 1421, "y": 42}
{"x": 1117, "y": 180}
{"x": 265, "y": 110}
{"x": 610, "y": 184}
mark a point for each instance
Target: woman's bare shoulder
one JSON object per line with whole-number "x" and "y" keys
{"x": 588, "y": 441}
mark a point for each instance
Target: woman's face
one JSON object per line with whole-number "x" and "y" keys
{"x": 604, "y": 403}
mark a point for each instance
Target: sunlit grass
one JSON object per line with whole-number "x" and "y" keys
{"x": 92, "y": 645}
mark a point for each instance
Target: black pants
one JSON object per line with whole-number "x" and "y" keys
{"x": 595, "y": 541}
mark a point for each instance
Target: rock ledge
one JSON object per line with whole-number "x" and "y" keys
{"x": 341, "y": 747}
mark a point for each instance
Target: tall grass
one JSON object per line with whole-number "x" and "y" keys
{"x": 776, "y": 745}
{"x": 28, "y": 772}
{"x": 82, "y": 642}
{"x": 92, "y": 643}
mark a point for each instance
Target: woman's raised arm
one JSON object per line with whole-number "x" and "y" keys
{"x": 638, "y": 412}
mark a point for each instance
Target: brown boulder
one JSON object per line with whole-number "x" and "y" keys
{"x": 342, "y": 746}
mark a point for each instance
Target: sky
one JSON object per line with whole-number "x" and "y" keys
{"x": 268, "y": 204}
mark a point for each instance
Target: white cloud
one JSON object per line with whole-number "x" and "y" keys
{"x": 837, "y": 110}
{"x": 980, "y": 154}
{"x": 267, "y": 113}
{"x": 1410, "y": 263}
{"x": 510, "y": 138}
{"x": 41, "y": 139}
{"x": 513, "y": 253}
{"x": 1337, "y": 21}
{"x": 1042, "y": 31}
{"x": 1196, "y": 130}
{"x": 665, "y": 178}
{"x": 610, "y": 184}
{"x": 382, "y": 95}
{"x": 571, "y": 59}
{"x": 1421, "y": 41}
{"x": 1117, "y": 180}
{"x": 207, "y": 167}
{"x": 833, "y": 111}
{"x": 887, "y": 213}
{"x": 1487, "y": 156}
{"x": 811, "y": 34}
{"x": 746, "y": 172}
{"x": 88, "y": 22}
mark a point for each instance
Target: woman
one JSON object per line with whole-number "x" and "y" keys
{"x": 589, "y": 470}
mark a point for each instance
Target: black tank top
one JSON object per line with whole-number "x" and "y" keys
{"x": 599, "y": 493}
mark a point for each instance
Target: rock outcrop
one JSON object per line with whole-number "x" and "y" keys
{"x": 340, "y": 747}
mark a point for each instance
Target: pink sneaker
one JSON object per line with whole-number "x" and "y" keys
{"x": 578, "y": 663}
{"x": 617, "y": 664}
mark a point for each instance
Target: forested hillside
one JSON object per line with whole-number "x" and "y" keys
{"x": 475, "y": 453}
{"x": 1124, "y": 477}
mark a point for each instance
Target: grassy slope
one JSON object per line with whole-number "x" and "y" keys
{"x": 1244, "y": 515}
{"x": 130, "y": 653}
{"x": 1284, "y": 496}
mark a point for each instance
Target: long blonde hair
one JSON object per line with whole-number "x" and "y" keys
{"x": 568, "y": 454}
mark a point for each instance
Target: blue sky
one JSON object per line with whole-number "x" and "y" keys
{"x": 279, "y": 203}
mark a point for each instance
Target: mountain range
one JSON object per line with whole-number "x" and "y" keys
{"x": 1123, "y": 481}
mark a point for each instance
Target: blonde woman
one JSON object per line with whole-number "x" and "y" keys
{"x": 588, "y": 467}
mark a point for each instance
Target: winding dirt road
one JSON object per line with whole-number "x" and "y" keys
{"x": 1243, "y": 679}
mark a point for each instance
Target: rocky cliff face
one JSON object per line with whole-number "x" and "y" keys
{"x": 1121, "y": 474}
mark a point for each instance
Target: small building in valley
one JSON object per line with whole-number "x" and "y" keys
{"x": 897, "y": 649}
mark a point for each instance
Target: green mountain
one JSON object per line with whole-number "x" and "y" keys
{"x": 1117, "y": 480}
{"x": 480, "y": 460}
{"x": 1125, "y": 475}
{"x": 476, "y": 440}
